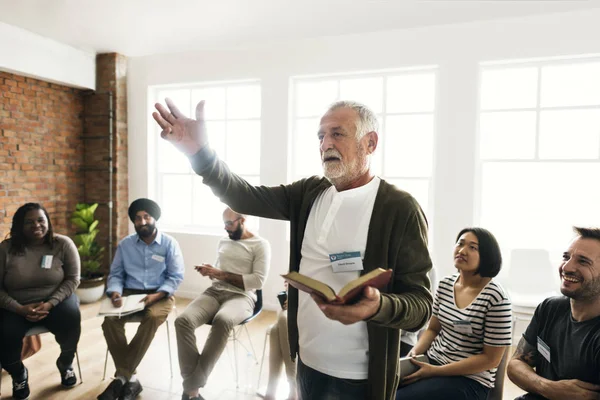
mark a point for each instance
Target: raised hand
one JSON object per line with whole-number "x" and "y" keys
{"x": 186, "y": 134}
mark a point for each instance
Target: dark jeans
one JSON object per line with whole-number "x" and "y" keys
{"x": 64, "y": 321}
{"x": 443, "y": 388}
{"x": 314, "y": 385}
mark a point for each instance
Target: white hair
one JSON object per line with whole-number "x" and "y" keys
{"x": 367, "y": 120}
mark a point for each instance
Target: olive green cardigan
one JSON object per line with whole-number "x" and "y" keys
{"x": 397, "y": 239}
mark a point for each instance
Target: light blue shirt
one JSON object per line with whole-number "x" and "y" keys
{"x": 137, "y": 265}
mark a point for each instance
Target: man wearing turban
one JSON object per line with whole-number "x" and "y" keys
{"x": 147, "y": 262}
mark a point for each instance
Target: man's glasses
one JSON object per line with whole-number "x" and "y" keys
{"x": 229, "y": 224}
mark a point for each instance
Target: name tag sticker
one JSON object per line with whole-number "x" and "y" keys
{"x": 158, "y": 258}
{"x": 46, "y": 262}
{"x": 346, "y": 261}
{"x": 463, "y": 327}
{"x": 543, "y": 349}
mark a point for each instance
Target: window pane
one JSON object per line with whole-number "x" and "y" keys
{"x": 243, "y": 101}
{"x": 368, "y": 91}
{"x": 217, "y": 136}
{"x": 526, "y": 206}
{"x": 181, "y": 98}
{"x": 418, "y": 188}
{"x": 170, "y": 159}
{"x": 313, "y": 98}
{"x": 176, "y": 199}
{"x": 570, "y": 134}
{"x": 411, "y": 93}
{"x": 243, "y": 146}
{"x": 214, "y": 106}
{"x": 306, "y": 154}
{"x": 571, "y": 85}
{"x": 508, "y": 135}
{"x": 408, "y": 146}
{"x": 207, "y": 208}
{"x": 509, "y": 88}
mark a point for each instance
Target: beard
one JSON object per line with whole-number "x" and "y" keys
{"x": 237, "y": 234}
{"x": 145, "y": 230}
{"x": 341, "y": 173}
{"x": 588, "y": 291}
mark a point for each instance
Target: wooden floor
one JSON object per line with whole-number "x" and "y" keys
{"x": 154, "y": 372}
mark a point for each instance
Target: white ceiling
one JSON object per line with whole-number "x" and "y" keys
{"x": 142, "y": 27}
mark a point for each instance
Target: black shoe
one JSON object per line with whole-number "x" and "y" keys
{"x": 67, "y": 376}
{"x": 113, "y": 391}
{"x": 131, "y": 390}
{"x": 21, "y": 386}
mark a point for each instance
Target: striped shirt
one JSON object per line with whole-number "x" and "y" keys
{"x": 487, "y": 320}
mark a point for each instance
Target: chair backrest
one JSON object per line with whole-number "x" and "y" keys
{"x": 497, "y": 391}
{"x": 528, "y": 266}
{"x": 258, "y": 305}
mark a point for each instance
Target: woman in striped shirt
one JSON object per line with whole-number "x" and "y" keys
{"x": 470, "y": 329}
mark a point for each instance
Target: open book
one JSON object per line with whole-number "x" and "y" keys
{"x": 131, "y": 304}
{"x": 407, "y": 368}
{"x": 351, "y": 291}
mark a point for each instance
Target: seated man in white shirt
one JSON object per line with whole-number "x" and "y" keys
{"x": 242, "y": 266}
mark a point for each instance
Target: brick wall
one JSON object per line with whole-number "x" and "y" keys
{"x": 41, "y": 150}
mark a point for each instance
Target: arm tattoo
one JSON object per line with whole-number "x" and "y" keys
{"x": 526, "y": 353}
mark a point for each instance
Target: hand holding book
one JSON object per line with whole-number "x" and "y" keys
{"x": 357, "y": 301}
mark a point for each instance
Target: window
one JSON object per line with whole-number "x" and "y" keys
{"x": 539, "y": 144}
{"x": 404, "y": 101}
{"x": 232, "y": 113}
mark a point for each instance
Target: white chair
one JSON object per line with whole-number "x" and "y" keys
{"x": 236, "y": 333}
{"x": 40, "y": 329}
{"x": 137, "y": 318}
{"x": 531, "y": 279}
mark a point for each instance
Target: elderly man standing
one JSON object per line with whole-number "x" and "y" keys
{"x": 147, "y": 262}
{"x": 350, "y": 211}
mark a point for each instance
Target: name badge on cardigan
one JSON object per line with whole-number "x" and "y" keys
{"x": 346, "y": 262}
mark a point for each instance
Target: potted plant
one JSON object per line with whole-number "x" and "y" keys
{"x": 91, "y": 253}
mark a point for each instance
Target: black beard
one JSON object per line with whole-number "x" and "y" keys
{"x": 146, "y": 230}
{"x": 237, "y": 234}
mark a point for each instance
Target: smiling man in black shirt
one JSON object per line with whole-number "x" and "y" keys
{"x": 562, "y": 342}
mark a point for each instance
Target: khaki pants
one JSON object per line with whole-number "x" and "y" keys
{"x": 224, "y": 310}
{"x": 127, "y": 357}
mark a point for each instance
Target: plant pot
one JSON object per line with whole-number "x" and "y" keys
{"x": 90, "y": 290}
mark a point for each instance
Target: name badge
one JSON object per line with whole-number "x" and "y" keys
{"x": 158, "y": 258}
{"x": 346, "y": 261}
{"x": 463, "y": 327}
{"x": 46, "y": 262}
{"x": 543, "y": 349}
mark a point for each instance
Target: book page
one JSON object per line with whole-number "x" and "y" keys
{"x": 376, "y": 278}
{"x": 130, "y": 305}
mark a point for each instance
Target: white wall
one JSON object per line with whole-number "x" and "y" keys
{"x": 25, "y": 53}
{"x": 457, "y": 50}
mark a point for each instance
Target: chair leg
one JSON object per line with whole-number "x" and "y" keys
{"x": 105, "y": 362}
{"x": 251, "y": 346}
{"x": 79, "y": 367}
{"x": 235, "y": 358}
{"x": 169, "y": 344}
{"x": 262, "y": 359}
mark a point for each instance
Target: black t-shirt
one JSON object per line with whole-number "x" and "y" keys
{"x": 574, "y": 347}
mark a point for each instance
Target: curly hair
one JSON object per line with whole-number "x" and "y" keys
{"x": 17, "y": 238}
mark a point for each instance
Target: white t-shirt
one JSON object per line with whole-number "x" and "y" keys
{"x": 250, "y": 258}
{"x": 338, "y": 222}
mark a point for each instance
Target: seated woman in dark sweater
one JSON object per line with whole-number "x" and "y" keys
{"x": 39, "y": 272}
